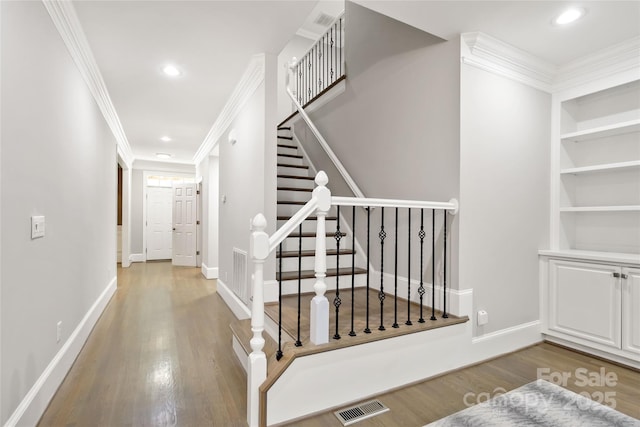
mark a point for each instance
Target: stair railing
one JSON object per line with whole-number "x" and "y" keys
{"x": 318, "y": 82}
{"x": 262, "y": 245}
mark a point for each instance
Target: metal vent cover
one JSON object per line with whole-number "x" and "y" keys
{"x": 324, "y": 19}
{"x": 362, "y": 411}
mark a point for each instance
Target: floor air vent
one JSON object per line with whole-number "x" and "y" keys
{"x": 360, "y": 412}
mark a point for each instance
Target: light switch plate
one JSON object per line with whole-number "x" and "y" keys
{"x": 37, "y": 226}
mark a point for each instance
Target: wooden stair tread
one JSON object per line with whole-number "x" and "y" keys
{"x": 291, "y": 156}
{"x": 308, "y": 190}
{"x": 284, "y": 127}
{"x": 287, "y": 146}
{"x": 330, "y": 252}
{"x": 292, "y": 166}
{"x": 313, "y": 234}
{"x": 310, "y": 274}
{"x": 291, "y": 202}
{"x": 310, "y": 218}
{"x": 241, "y": 329}
{"x": 290, "y": 138}
{"x": 306, "y": 178}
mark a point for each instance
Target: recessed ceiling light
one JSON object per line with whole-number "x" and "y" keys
{"x": 569, "y": 16}
{"x": 165, "y": 139}
{"x": 163, "y": 155}
{"x": 171, "y": 70}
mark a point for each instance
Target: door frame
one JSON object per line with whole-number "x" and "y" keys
{"x": 145, "y": 177}
{"x": 126, "y": 212}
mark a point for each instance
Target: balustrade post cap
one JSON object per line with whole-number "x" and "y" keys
{"x": 322, "y": 179}
{"x": 259, "y": 222}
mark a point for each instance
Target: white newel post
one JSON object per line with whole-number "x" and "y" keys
{"x": 257, "y": 367}
{"x": 319, "y": 303}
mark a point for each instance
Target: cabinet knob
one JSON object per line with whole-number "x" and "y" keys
{"x": 616, "y": 275}
{"x": 624, "y": 276}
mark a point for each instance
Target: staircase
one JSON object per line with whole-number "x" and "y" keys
{"x": 296, "y": 261}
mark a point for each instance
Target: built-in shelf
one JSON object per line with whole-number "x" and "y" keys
{"x": 630, "y": 208}
{"x": 603, "y": 131}
{"x": 608, "y": 257}
{"x": 634, "y": 164}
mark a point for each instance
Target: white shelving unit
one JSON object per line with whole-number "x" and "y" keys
{"x": 593, "y": 265}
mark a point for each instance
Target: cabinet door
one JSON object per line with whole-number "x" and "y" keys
{"x": 585, "y": 301}
{"x": 631, "y": 310}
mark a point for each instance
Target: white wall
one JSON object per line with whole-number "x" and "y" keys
{"x": 504, "y": 195}
{"x": 247, "y": 173}
{"x": 208, "y": 170}
{"x": 58, "y": 160}
{"x": 297, "y": 47}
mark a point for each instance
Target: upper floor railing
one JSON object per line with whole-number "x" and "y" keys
{"x": 321, "y": 66}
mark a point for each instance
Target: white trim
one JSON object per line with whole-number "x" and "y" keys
{"x": 137, "y": 258}
{"x": 490, "y": 54}
{"x": 614, "y": 59}
{"x": 308, "y": 34}
{"x": 605, "y": 354}
{"x": 66, "y": 21}
{"x": 249, "y": 82}
{"x": 37, "y": 399}
{"x": 209, "y": 272}
{"x": 239, "y": 309}
{"x": 242, "y": 355}
{"x": 526, "y": 331}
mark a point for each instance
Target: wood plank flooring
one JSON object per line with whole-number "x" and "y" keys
{"x": 433, "y": 399}
{"x": 160, "y": 355}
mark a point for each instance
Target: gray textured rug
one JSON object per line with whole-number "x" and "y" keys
{"x": 538, "y": 403}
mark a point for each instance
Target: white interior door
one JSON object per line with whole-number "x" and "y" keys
{"x": 184, "y": 224}
{"x": 159, "y": 223}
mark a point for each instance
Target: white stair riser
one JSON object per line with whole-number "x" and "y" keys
{"x": 282, "y": 170}
{"x": 287, "y": 150}
{"x": 298, "y": 196}
{"x": 290, "y": 161}
{"x": 297, "y": 183}
{"x": 308, "y": 262}
{"x": 308, "y": 243}
{"x": 290, "y": 287}
{"x": 312, "y": 225}
{"x": 290, "y": 210}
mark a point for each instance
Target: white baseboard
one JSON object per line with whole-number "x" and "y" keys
{"x": 209, "y": 272}
{"x": 507, "y": 340}
{"x": 34, "y": 404}
{"x": 238, "y": 308}
{"x": 242, "y": 355}
{"x": 137, "y": 258}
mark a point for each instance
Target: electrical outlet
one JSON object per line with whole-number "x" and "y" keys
{"x": 59, "y": 331}
{"x": 483, "y": 317}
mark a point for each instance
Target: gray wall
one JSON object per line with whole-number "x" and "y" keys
{"x": 395, "y": 128}
{"x": 58, "y": 160}
{"x": 504, "y": 195}
{"x": 247, "y": 173}
{"x": 208, "y": 171}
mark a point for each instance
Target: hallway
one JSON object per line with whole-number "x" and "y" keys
{"x": 159, "y": 355}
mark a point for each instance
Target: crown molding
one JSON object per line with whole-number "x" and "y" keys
{"x": 66, "y": 21}
{"x": 249, "y": 82}
{"x": 615, "y": 59}
{"x": 488, "y": 53}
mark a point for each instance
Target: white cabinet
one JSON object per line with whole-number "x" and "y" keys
{"x": 631, "y": 310}
{"x": 592, "y": 306}
{"x": 585, "y": 301}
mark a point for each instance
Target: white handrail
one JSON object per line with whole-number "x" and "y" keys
{"x": 451, "y": 205}
{"x": 323, "y": 143}
{"x": 292, "y": 223}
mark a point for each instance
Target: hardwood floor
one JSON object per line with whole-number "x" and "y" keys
{"x": 431, "y": 400}
{"x": 160, "y": 355}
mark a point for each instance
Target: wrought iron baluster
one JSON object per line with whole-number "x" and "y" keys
{"x": 433, "y": 264}
{"x": 279, "y": 352}
{"x": 382, "y": 235}
{"x": 352, "y": 333}
{"x": 408, "y": 322}
{"x": 366, "y": 328}
{"x": 341, "y": 47}
{"x": 395, "y": 278}
{"x": 444, "y": 282}
{"x": 333, "y": 50}
{"x": 337, "y": 301}
{"x": 421, "y": 291}
{"x": 298, "y": 342}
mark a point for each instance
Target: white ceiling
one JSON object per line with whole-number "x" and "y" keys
{"x": 213, "y": 41}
